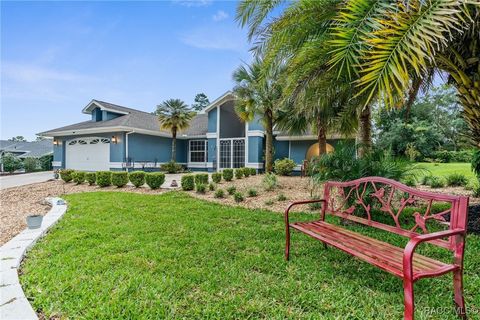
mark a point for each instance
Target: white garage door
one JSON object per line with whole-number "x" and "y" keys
{"x": 89, "y": 154}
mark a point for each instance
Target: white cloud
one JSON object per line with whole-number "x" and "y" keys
{"x": 193, "y": 3}
{"x": 220, "y": 15}
{"x": 215, "y": 39}
{"x": 32, "y": 73}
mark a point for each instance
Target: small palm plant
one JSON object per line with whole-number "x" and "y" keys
{"x": 174, "y": 115}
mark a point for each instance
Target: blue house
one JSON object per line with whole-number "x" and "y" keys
{"x": 120, "y": 138}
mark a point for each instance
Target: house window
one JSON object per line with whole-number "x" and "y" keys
{"x": 198, "y": 150}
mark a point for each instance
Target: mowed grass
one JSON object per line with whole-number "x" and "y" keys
{"x": 445, "y": 169}
{"x": 133, "y": 256}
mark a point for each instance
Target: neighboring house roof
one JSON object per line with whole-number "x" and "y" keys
{"x": 6, "y": 143}
{"x": 130, "y": 120}
{"x": 35, "y": 149}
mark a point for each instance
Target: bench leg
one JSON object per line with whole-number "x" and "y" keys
{"x": 408, "y": 299}
{"x": 458, "y": 288}
{"x": 287, "y": 243}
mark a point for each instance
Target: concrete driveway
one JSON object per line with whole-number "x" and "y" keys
{"x": 17, "y": 180}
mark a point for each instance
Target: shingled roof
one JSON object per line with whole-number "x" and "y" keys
{"x": 129, "y": 120}
{"x": 25, "y": 149}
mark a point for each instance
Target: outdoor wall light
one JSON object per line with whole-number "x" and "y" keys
{"x": 114, "y": 139}
{"x": 56, "y": 142}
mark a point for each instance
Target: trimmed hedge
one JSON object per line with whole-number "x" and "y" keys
{"x": 201, "y": 178}
{"x": 238, "y": 197}
{"x": 212, "y": 186}
{"x": 231, "y": 190}
{"x": 104, "y": 178}
{"x": 137, "y": 178}
{"x": 201, "y": 187}
{"x": 90, "y": 177}
{"x": 228, "y": 174}
{"x": 120, "y": 178}
{"x": 246, "y": 172}
{"x": 252, "y": 171}
{"x": 171, "y": 167}
{"x": 219, "y": 193}
{"x": 67, "y": 174}
{"x": 154, "y": 179}
{"x": 217, "y": 177}
{"x": 188, "y": 182}
{"x": 78, "y": 177}
{"x": 239, "y": 173}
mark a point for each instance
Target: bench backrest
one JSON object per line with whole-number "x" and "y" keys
{"x": 403, "y": 210}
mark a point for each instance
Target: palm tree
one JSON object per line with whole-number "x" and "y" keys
{"x": 258, "y": 94}
{"x": 174, "y": 115}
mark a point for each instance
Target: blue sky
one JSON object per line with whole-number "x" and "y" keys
{"x": 57, "y": 56}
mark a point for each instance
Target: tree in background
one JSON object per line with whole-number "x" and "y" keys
{"x": 259, "y": 94}
{"x": 10, "y": 163}
{"x": 174, "y": 115}
{"x": 18, "y": 139}
{"x": 435, "y": 123}
{"x": 201, "y": 102}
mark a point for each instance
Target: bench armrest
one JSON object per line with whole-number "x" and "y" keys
{"x": 415, "y": 241}
{"x": 287, "y": 211}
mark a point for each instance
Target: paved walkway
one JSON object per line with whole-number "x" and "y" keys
{"x": 17, "y": 180}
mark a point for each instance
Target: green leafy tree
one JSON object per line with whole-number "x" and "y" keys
{"x": 11, "y": 163}
{"x": 174, "y": 115}
{"x": 201, "y": 102}
{"x": 258, "y": 94}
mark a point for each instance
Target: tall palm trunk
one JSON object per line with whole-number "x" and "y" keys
{"x": 365, "y": 131}
{"x": 269, "y": 142}
{"x": 174, "y": 143}
{"x": 322, "y": 137}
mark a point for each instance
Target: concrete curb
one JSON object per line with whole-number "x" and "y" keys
{"x": 13, "y": 303}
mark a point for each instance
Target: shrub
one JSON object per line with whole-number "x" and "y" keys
{"x": 137, "y": 178}
{"x": 426, "y": 179}
{"x": 231, "y": 190}
{"x": 410, "y": 181}
{"x": 31, "y": 164}
{"x": 78, "y": 177}
{"x": 453, "y": 156}
{"x": 456, "y": 180}
{"x": 46, "y": 162}
{"x": 246, "y": 172}
{"x": 239, "y": 173}
{"x": 104, "y": 178}
{"x": 270, "y": 181}
{"x": 281, "y": 197}
{"x": 238, "y": 197}
{"x": 284, "y": 167}
{"x": 476, "y": 189}
{"x": 315, "y": 205}
{"x": 219, "y": 193}
{"x": 67, "y": 174}
{"x": 252, "y": 192}
{"x": 11, "y": 163}
{"x": 201, "y": 187}
{"x": 343, "y": 165}
{"x": 171, "y": 167}
{"x": 228, "y": 174}
{"x": 212, "y": 186}
{"x": 201, "y": 178}
{"x": 90, "y": 178}
{"x": 436, "y": 182}
{"x": 154, "y": 179}
{"x": 188, "y": 182}
{"x": 217, "y": 177}
{"x": 252, "y": 171}
{"x": 120, "y": 178}
{"x": 269, "y": 202}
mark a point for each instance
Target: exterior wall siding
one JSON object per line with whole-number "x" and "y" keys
{"x": 212, "y": 120}
{"x": 280, "y": 149}
{"x": 148, "y": 148}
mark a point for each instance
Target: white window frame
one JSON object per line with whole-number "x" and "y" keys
{"x": 205, "y": 151}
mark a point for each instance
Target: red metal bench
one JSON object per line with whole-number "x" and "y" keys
{"x": 363, "y": 201}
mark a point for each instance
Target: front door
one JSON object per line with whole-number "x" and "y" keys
{"x": 232, "y": 153}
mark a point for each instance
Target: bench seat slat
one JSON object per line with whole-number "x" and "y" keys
{"x": 381, "y": 254}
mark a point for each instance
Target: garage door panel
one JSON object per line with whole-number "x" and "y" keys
{"x": 88, "y": 154}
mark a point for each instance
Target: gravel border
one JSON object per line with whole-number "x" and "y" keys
{"x": 13, "y": 303}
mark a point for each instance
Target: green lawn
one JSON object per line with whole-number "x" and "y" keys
{"x": 133, "y": 256}
{"x": 445, "y": 169}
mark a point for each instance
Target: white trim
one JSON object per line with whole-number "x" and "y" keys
{"x": 126, "y": 144}
{"x": 246, "y": 143}
{"x": 97, "y": 104}
{"x": 255, "y": 133}
{"x": 227, "y": 96}
{"x": 256, "y": 165}
{"x": 115, "y": 165}
{"x": 56, "y": 163}
{"x": 296, "y": 138}
{"x": 200, "y": 165}
{"x": 218, "y": 138}
{"x": 298, "y": 167}
{"x": 289, "y": 149}
{"x": 211, "y": 135}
